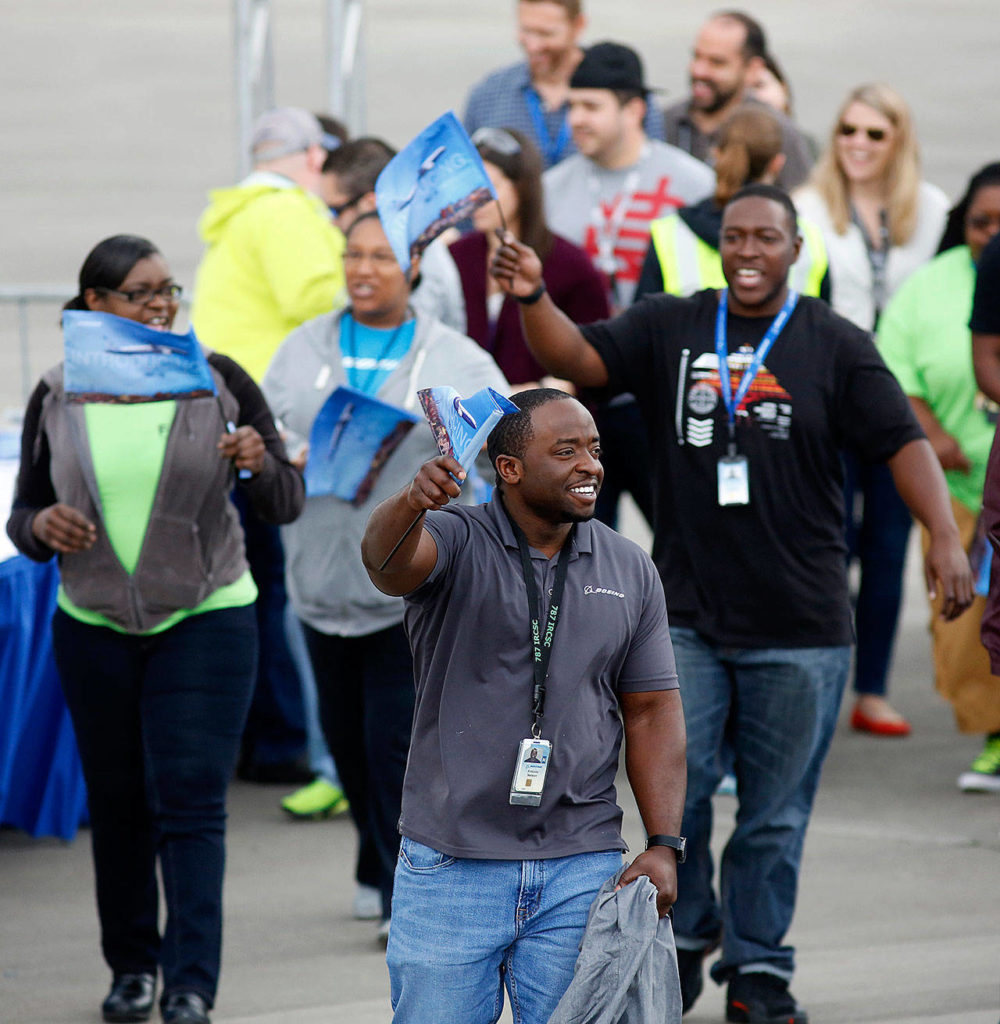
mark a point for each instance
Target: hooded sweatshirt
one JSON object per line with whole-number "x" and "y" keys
{"x": 274, "y": 260}
{"x": 327, "y": 582}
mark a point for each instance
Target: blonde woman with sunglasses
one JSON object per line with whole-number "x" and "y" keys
{"x": 880, "y": 222}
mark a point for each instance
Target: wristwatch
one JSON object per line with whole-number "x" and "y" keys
{"x": 678, "y": 843}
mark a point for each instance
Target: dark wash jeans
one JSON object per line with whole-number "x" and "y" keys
{"x": 275, "y": 732}
{"x": 878, "y": 540}
{"x": 366, "y": 698}
{"x": 158, "y": 721}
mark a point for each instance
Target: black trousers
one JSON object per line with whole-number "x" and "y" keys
{"x": 366, "y": 698}
{"x": 158, "y": 721}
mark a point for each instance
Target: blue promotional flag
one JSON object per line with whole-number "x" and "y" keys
{"x": 109, "y": 359}
{"x": 351, "y": 439}
{"x": 461, "y": 425}
{"x": 435, "y": 182}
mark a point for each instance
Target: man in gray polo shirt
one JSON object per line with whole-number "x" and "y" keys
{"x": 501, "y": 857}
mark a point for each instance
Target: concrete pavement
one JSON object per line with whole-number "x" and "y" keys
{"x": 897, "y": 920}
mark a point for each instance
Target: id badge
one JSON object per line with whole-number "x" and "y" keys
{"x": 529, "y": 772}
{"x": 734, "y": 480}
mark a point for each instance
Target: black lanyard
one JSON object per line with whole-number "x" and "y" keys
{"x": 541, "y": 644}
{"x": 878, "y": 258}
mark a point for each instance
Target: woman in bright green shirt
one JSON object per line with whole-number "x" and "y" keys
{"x": 155, "y": 636}
{"x": 924, "y": 337}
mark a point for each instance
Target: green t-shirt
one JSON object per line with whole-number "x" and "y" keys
{"x": 924, "y": 337}
{"x": 128, "y": 444}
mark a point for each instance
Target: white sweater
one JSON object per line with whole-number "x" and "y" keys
{"x": 850, "y": 269}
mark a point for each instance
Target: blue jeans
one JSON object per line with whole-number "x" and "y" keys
{"x": 777, "y": 708}
{"x": 463, "y": 929}
{"x": 275, "y": 732}
{"x": 158, "y": 720}
{"x": 879, "y": 542}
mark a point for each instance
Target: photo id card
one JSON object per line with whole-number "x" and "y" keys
{"x": 734, "y": 480}
{"x": 529, "y": 772}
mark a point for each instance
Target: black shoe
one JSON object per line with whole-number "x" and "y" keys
{"x": 689, "y": 963}
{"x": 760, "y": 998}
{"x": 184, "y": 1008}
{"x": 130, "y": 998}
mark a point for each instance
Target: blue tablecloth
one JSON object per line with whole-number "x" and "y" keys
{"x": 41, "y": 782}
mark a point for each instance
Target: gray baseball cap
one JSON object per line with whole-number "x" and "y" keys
{"x": 284, "y": 131}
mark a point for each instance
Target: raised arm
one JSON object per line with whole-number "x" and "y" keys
{"x": 555, "y": 341}
{"x": 655, "y": 743}
{"x": 921, "y": 484}
{"x": 432, "y": 488}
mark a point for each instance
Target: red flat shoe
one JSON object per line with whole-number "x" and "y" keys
{"x": 879, "y": 726}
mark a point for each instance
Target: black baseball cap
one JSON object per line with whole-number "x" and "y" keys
{"x": 610, "y": 66}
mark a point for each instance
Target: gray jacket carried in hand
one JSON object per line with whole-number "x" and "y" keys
{"x": 627, "y": 969}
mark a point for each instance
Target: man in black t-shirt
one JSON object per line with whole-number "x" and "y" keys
{"x": 748, "y": 540}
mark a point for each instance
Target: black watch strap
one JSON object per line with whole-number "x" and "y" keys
{"x": 678, "y": 843}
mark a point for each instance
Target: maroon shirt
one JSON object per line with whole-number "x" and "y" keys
{"x": 572, "y": 282}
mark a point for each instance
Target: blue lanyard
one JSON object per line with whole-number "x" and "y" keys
{"x": 551, "y": 150}
{"x": 732, "y": 402}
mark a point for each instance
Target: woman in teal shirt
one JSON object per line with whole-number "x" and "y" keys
{"x": 924, "y": 337}
{"x": 155, "y": 635}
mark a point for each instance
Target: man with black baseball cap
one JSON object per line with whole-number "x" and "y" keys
{"x": 604, "y": 198}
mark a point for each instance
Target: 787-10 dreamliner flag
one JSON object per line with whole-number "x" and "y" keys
{"x": 435, "y": 182}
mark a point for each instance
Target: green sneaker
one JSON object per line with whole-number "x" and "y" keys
{"x": 318, "y": 800}
{"x": 983, "y": 775}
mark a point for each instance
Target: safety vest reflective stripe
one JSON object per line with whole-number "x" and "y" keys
{"x": 689, "y": 264}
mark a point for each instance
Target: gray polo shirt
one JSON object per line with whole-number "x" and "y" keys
{"x": 470, "y": 632}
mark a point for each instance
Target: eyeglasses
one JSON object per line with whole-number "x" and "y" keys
{"x": 498, "y": 139}
{"x": 144, "y": 296}
{"x": 875, "y": 134}
{"x": 338, "y": 210}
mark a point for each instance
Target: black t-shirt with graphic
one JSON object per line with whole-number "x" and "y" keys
{"x": 771, "y": 573}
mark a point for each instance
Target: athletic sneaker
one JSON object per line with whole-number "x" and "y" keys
{"x": 761, "y": 998}
{"x": 320, "y": 799}
{"x": 983, "y": 775}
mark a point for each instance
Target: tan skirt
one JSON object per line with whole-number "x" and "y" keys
{"x": 961, "y": 665}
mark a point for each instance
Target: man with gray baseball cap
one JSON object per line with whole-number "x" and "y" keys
{"x": 274, "y": 259}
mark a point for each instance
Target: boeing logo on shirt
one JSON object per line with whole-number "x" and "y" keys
{"x": 588, "y": 589}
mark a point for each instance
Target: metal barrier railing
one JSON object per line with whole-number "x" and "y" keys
{"x": 22, "y": 296}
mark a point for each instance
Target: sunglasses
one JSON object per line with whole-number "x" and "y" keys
{"x": 497, "y": 139}
{"x": 875, "y": 134}
{"x": 338, "y": 210}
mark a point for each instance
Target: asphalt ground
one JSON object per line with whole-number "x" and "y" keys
{"x": 897, "y": 918}
{"x": 120, "y": 117}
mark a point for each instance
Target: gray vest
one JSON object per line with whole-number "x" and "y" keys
{"x": 193, "y": 542}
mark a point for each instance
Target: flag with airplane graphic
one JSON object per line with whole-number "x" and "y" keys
{"x": 435, "y": 182}
{"x": 111, "y": 360}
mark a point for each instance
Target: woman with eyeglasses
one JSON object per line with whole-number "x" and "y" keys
{"x": 880, "y": 222}
{"x": 381, "y": 346}
{"x": 925, "y": 339}
{"x": 455, "y": 285}
{"x": 155, "y": 634}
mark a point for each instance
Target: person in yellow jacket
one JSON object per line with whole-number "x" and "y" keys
{"x": 683, "y": 256}
{"x": 274, "y": 258}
